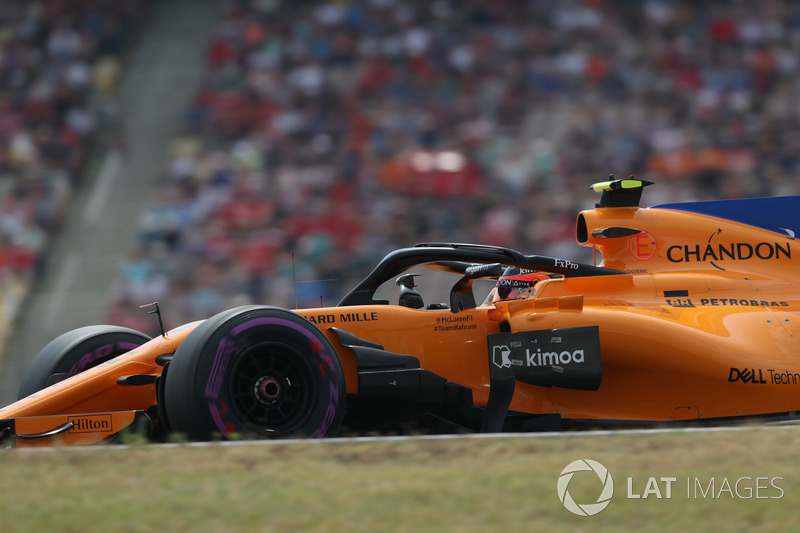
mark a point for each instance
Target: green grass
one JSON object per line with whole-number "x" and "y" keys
{"x": 462, "y": 485}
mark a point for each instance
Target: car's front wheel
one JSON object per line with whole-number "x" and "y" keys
{"x": 255, "y": 372}
{"x": 76, "y": 351}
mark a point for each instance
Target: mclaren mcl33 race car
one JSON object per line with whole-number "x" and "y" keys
{"x": 689, "y": 313}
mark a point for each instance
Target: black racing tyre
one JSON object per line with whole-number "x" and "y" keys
{"x": 255, "y": 372}
{"x": 76, "y": 351}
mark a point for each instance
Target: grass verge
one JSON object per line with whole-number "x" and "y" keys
{"x": 463, "y": 485}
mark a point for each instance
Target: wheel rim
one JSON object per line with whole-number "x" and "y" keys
{"x": 272, "y": 388}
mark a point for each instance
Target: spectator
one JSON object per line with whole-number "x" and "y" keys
{"x": 59, "y": 62}
{"x": 328, "y": 133}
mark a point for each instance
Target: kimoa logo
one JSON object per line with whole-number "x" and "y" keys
{"x": 540, "y": 358}
{"x": 585, "y": 465}
{"x": 501, "y": 356}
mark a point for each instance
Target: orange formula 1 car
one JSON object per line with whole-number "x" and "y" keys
{"x": 692, "y": 315}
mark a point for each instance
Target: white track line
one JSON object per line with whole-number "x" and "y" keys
{"x": 492, "y": 436}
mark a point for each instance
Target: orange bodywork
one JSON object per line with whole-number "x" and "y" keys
{"x": 94, "y": 391}
{"x": 701, "y": 321}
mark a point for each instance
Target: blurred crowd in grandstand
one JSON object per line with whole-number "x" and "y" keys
{"x": 327, "y": 133}
{"x": 59, "y": 66}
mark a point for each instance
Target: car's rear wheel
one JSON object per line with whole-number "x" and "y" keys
{"x": 255, "y": 372}
{"x": 76, "y": 351}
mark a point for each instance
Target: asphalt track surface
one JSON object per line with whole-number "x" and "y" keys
{"x": 773, "y": 426}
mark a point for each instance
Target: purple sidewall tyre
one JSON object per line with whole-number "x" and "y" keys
{"x": 255, "y": 372}
{"x": 76, "y": 351}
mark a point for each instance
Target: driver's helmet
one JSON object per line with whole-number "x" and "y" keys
{"x": 518, "y": 284}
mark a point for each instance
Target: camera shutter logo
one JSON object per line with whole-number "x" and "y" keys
{"x": 585, "y": 465}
